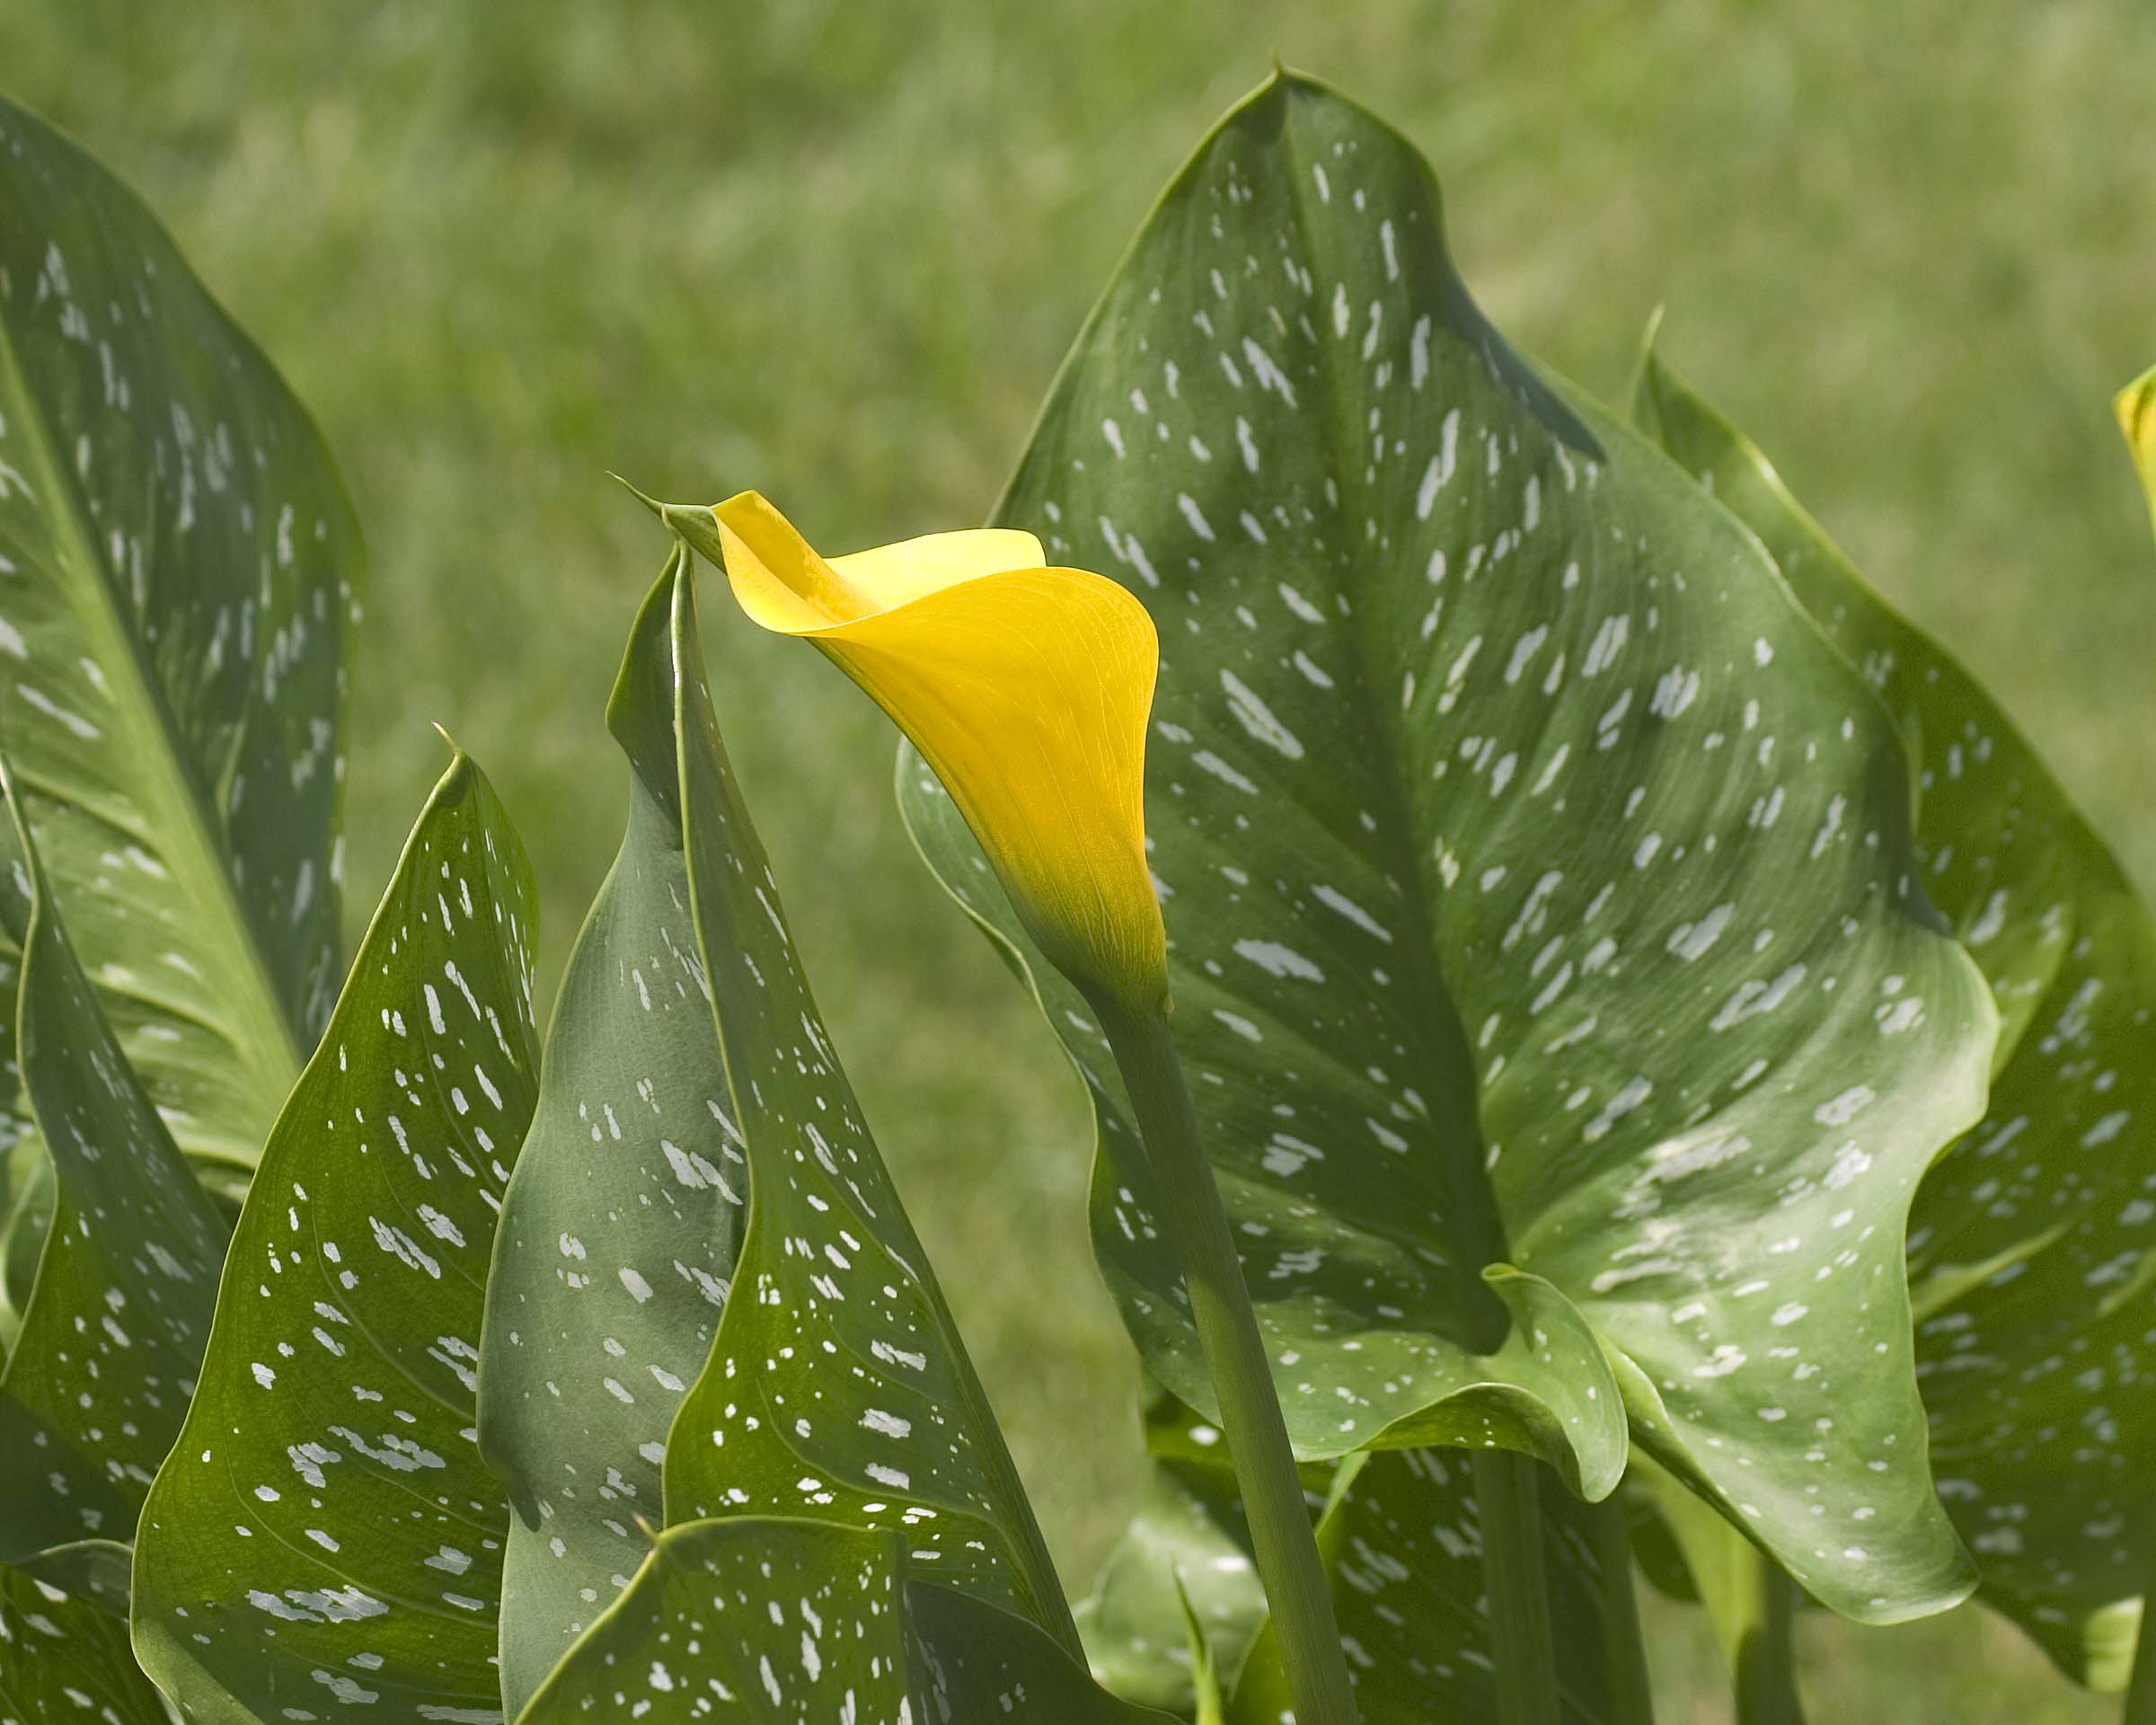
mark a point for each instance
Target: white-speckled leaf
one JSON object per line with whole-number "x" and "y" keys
{"x": 324, "y": 1532}
{"x": 1404, "y": 1547}
{"x": 2032, "y": 1244}
{"x": 771, "y": 1621}
{"x": 176, "y": 559}
{"x": 65, "y": 1661}
{"x": 98, "y": 1377}
{"x": 837, "y": 1387}
{"x": 1540, "y": 880}
{"x": 623, "y": 1218}
{"x": 1400, "y": 1538}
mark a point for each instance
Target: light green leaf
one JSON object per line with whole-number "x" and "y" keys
{"x": 325, "y": 1530}
{"x": 64, "y": 1660}
{"x": 1539, "y": 880}
{"x": 176, "y": 560}
{"x": 1187, "y": 1549}
{"x": 1751, "y": 1604}
{"x": 766, "y": 1619}
{"x": 94, "y": 1389}
{"x": 2032, "y": 1245}
{"x": 1209, "y": 1704}
{"x": 837, "y": 1387}
{"x": 1538, "y": 876}
{"x": 623, "y": 1218}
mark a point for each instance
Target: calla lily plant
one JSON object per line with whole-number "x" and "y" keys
{"x": 1027, "y": 690}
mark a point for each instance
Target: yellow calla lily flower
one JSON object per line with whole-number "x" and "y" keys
{"x": 1027, "y": 690}
{"x": 2136, "y": 405}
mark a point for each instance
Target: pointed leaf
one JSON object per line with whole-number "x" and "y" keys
{"x": 1540, "y": 880}
{"x": 623, "y": 1218}
{"x": 98, "y": 1377}
{"x": 768, "y": 1620}
{"x": 176, "y": 559}
{"x": 325, "y": 1532}
{"x": 837, "y": 1387}
{"x": 63, "y": 1659}
{"x": 2032, "y": 1246}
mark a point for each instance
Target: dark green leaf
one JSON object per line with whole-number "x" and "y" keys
{"x": 63, "y": 1659}
{"x": 769, "y": 1620}
{"x": 1403, "y": 1542}
{"x": 2032, "y": 1245}
{"x": 622, "y": 1219}
{"x": 837, "y": 1387}
{"x": 1540, "y": 881}
{"x": 325, "y": 1530}
{"x": 98, "y": 1377}
{"x": 176, "y": 560}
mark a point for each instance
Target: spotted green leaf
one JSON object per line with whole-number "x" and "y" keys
{"x": 836, "y": 1386}
{"x": 774, "y": 1621}
{"x": 1403, "y": 1543}
{"x": 176, "y": 560}
{"x": 2032, "y": 1245}
{"x": 98, "y": 1380}
{"x": 623, "y": 1217}
{"x": 1400, "y": 1538}
{"x": 909, "y": 1582}
{"x": 65, "y": 1661}
{"x": 325, "y": 1533}
{"x": 1540, "y": 881}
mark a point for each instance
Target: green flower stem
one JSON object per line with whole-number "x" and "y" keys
{"x": 1227, "y": 1330}
{"x": 2140, "y": 1688}
{"x": 1766, "y": 1657}
{"x": 1509, "y": 1501}
{"x": 1631, "y": 1699}
{"x": 1753, "y": 1606}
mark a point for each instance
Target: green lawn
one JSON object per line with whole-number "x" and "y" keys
{"x": 834, "y": 252}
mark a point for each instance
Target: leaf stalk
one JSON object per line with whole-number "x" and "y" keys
{"x": 1508, "y": 1499}
{"x": 1197, "y": 1223}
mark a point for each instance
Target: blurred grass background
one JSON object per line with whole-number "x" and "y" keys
{"x": 834, "y": 252}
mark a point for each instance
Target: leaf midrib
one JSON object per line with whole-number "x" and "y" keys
{"x": 196, "y": 852}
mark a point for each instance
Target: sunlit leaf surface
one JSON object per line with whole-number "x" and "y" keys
{"x": 2032, "y": 1245}
{"x": 325, "y": 1533}
{"x": 176, "y": 561}
{"x": 1540, "y": 881}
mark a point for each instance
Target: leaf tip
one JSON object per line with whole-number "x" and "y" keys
{"x": 651, "y": 503}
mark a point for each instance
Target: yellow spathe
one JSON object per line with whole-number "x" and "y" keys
{"x": 2136, "y": 406}
{"x": 1027, "y": 688}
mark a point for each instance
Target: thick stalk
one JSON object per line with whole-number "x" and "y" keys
{"x": 1631, "y": 1699}
{"x": 1764, "y": 1654}
{"x": 1508, "y": 1504}
{"x": 1753, "y": 1605}
{"x": 1197, "y": 1223}
{"x": 2140, "y": 1688}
